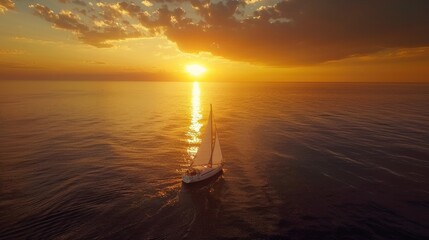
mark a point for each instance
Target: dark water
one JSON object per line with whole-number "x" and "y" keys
{"x": 103, "y": 160}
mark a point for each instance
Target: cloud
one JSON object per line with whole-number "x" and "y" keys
{"x": 147, "y": 3}
{"x": 64, "y": 19}
{"x": 18, "y": 66}
{"x": 284, "y": 33}
{"x": 252, "y": 1}
{"x": 6, "y": 5}
{"x": 19, "y": 71}
{"x": 110, "y": 12}
{"x": 300, "y": 32}
{"x": 77, "y": 2}
{"x": 11, "y": 52}
{"x": 97, "y": 35}
{"x": 94, "y": 62}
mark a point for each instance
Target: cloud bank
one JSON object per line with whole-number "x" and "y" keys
{"x": 282, "y": 33}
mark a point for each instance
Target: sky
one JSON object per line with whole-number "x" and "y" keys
{"x": 239, "y": 40}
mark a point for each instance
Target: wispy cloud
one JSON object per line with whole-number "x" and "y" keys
{"x": 94, "y": 62}
{"x": 11, "y": 52}
{"x": 18, "y": 65}
{"x": 77, "y": 2}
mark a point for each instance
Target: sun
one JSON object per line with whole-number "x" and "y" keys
{"x": 195, "y": 70}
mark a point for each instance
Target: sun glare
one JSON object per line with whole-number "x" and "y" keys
{"x": 195, "y": 70}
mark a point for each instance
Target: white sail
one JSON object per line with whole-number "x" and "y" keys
{"x": 207, "y": 161}
{"x": 204, "y": 151}
{"x": 217, "y": 153}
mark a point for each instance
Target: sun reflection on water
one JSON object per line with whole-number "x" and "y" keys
{"x": 195, "y": 127}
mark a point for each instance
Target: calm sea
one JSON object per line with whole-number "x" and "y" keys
{"x": 103, "y": 160}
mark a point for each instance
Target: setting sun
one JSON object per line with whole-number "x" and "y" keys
{"x": 195, "y": 70}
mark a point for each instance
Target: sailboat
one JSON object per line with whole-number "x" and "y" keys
{"x": 208, "y": 161}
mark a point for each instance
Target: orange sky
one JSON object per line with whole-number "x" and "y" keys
{"x": 296, "y": 40}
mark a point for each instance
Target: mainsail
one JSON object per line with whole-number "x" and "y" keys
{"x": 217, "y": 153}
{"x": 207, "y": 151}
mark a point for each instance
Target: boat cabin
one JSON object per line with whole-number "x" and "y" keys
{"x": 192, "y": 172}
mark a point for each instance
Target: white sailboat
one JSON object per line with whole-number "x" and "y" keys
{"x": 208, "y": 161}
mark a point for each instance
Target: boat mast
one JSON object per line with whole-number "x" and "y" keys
{"x": 211, "y": 137}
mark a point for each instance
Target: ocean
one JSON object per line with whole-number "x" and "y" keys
{"x": 104, "y": 160}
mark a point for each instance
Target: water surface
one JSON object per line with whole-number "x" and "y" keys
{"x": 103, "y": 160}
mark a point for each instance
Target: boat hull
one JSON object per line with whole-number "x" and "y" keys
{"x": 203, "y": 175}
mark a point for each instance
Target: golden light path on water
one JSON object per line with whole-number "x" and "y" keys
{"x": 195, "y": 127}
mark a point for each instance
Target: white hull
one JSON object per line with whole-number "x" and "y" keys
{"x": 204, "y": 174}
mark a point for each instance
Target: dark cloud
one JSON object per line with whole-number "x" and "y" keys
{"x": 109, "y": 12}
{"x": 64, "y": 19}
{"x": 6, "y": 5}
{"x": 131, "y": 8}
{"x": 77, "y": 2}
{"x": 102, "y": 38}
{"x": 293, "y": 32}
{"x": 306, "y": 31}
